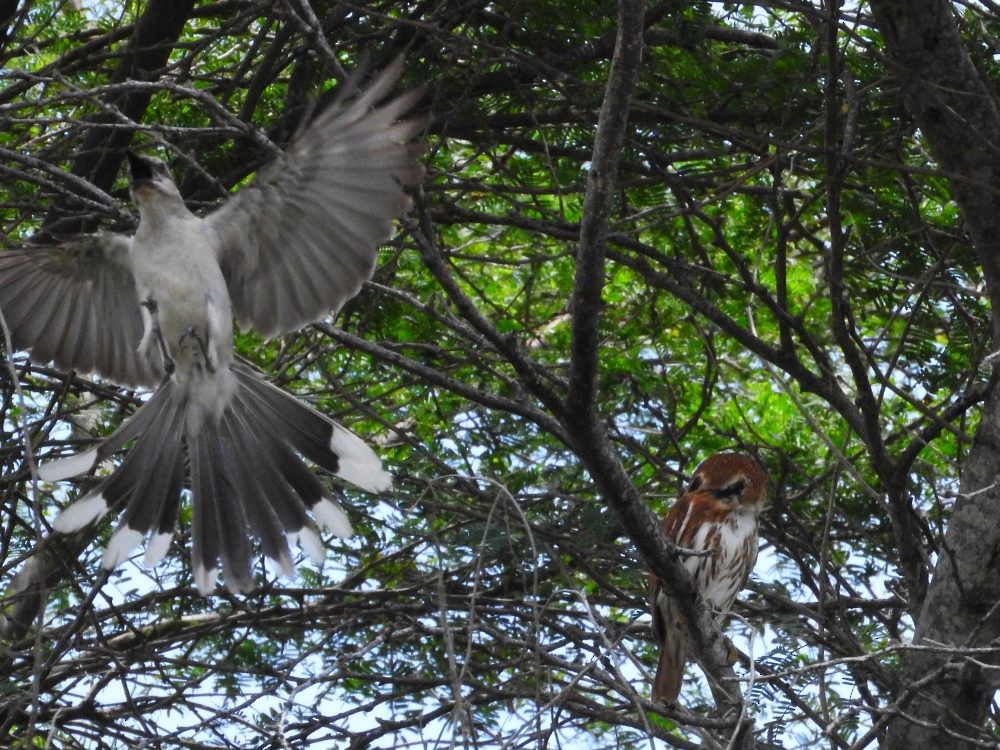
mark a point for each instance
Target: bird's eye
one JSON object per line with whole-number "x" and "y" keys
{"x": 695, "y": 483}
{"x": 730, "y": 491}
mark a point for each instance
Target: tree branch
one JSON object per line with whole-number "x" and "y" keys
{"x": 601, "y": 178}
{"x": 580, "y": 415}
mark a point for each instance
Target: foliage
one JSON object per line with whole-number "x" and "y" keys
{"x": 786, "y": 275}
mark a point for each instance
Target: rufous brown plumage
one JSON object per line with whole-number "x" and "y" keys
{"x": 718, "y": 512}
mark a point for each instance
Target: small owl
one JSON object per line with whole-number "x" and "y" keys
{"x": 718, "y": 512}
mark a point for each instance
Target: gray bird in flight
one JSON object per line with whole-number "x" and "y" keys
{"x": 156, "y": 309}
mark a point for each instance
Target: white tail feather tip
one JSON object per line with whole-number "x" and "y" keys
{"x": 120, "y": 545}
{"x": 64, "y": 468}
{"x": 284, "y": 565}
{"x": 157, "y": 548}
{"x": 80, "y": 513}
{"x": 358, "y": 463}
{"x": 332, "y": 518}
{"x": 310, "y": 543}
{"x": 205, "y": 579}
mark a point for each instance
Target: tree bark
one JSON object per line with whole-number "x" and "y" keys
{"x": 958, "y": 116}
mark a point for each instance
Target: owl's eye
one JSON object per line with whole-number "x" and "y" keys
{"x": 732, "y": 490}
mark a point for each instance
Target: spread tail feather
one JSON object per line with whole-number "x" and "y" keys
{"x": 245, "y": 474}
{"x": 141, "y": 479}
{"x": 316, "y": 437}
{"x": 81, "y": 463}
{"x": 247, "y": 479}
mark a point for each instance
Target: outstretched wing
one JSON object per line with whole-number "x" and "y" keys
{"x": 302, "y": 238}
{"x": 75, "y": 304}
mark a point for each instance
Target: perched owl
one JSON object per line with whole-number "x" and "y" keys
{"x": 718, "y": 512}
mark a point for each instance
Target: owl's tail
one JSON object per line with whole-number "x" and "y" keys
{"x": 668, "y": 630}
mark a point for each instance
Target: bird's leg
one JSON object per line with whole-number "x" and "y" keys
{"x": 191, "y": 332}
{"x": 151, "y": 330}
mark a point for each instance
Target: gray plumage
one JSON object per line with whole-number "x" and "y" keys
{"x": 157, "y": 308}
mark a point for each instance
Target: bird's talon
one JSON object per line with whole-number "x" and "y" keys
{"x": 732, "y": 653}
{"x": 191, "y": 332}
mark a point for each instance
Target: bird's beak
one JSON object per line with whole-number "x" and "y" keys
{"x": 139, "y": 168}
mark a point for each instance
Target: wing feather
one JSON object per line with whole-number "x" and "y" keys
{"x": 302, "y": 237}
{"x": 75, "y": 304}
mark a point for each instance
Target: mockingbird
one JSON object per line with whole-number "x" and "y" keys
{"x": 157, "y": 307}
